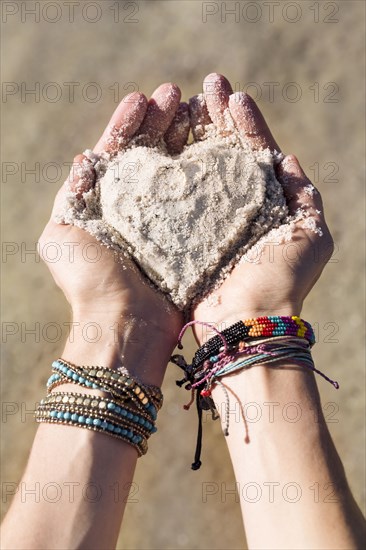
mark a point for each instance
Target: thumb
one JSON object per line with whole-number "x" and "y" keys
{"x": 305, "y": 203}
{"x": 80, "y": 180}
{"x": 298, "y": 189}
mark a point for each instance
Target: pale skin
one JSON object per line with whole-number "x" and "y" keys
{"x": 114, "y": 293}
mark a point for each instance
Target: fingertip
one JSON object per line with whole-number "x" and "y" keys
{"x": 161, "y": 109}
{"x": 75, "y": 172}
{"x": 78, "y": 159}
{"x": 297, "y": 188}
{"x": 138, "y": 98}
{"x": 82, "y": 176}
{"x": 168, "y": 92}
{"x": 211, "y": 78}
{"x": 217, "y": 90}
{"x": 123, "y": 124}
{"x": 175, "y": 89}
{"x": 217, "y": 80}
{"x": 291, "y": 163}
{"x": 290, "y": 169}
{"x": 241, "y": 98}
{"x": 133, "y": 106}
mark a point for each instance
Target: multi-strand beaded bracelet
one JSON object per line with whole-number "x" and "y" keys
{"x": 127, "y": 412}
{"x": 261, "y": 341}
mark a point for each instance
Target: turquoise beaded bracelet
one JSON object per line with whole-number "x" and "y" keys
{"x": 128, "y": 414}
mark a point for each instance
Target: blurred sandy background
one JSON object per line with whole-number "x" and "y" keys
{"x": 319, "y": 117}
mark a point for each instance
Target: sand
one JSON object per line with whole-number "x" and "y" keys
{"x": 185, "y": 220}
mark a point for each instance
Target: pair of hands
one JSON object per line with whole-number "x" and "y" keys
{"x": 107, "y": 290}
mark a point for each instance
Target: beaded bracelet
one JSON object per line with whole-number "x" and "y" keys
{"x": 108, "y": 408}
{"x": 267, "y": 326}
{"x": 67, "y": 411}
{"x": 96, "y": 424}
{"x": 264, "y": 341}
{"x": 109, "y": 377}
{"x": 129, "y": 414}
{"x": 123, "y": 387}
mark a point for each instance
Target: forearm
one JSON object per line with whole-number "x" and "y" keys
{"x": 82, "y": 478}
{"x": 290, "y": 478}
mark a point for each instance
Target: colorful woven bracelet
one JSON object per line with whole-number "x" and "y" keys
{"x": 267, "y": 326}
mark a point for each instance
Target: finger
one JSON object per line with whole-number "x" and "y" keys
{"x": 159, "y": 115}
{"x": 217, "y": 90}
{"x": 298, "y": 189}
{"x": 250, "y": 122}
{"x": 177, "y": 134}
{"x": 125, "y": 122}
{"x": 82, "y": 176}
{"x": 199, "y": 117}
{"x": 79, "y": 181}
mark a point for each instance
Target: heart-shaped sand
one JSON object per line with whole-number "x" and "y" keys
{"x": 185, "y": 220}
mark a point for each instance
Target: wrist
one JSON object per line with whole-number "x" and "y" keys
{"x": 119, "y": 339}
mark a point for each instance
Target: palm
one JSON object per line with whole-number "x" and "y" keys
{"x": 276, "y": 283}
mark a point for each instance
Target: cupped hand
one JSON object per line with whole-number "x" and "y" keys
{"x": 273, "y": 279}
{"x": 99, "y": 285}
